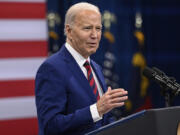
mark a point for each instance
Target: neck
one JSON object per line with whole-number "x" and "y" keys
{"x": 71, "y": 44}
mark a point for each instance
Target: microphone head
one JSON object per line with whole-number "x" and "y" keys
{"x": 159, "y": 72}
{"x": 148, "y": 72}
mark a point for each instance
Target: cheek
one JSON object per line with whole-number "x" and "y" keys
{"x": 99, "y": 36}
{"x": 81, "y": 38}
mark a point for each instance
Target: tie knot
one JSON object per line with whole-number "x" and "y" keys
{"x": 87, "y": 65}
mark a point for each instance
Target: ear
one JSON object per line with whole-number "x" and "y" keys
{"x": 68, "y": 31}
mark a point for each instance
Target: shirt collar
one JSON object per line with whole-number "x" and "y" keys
{"x": 76, "y": 55}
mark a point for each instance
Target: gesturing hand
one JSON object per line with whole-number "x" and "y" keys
{"x": 111, "y": 99}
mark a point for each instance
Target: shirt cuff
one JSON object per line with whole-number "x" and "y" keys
{"x": 94, "y": 113}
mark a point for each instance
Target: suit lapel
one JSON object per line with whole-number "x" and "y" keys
{"x": 77, "y": 72}
{"x": 99, "y": 76}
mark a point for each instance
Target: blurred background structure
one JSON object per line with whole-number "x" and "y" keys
{"x": 136, "y": 34}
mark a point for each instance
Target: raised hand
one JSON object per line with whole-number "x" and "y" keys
{"x": 111, "y": 99}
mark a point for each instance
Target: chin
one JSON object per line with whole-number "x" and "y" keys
{"x": 92, "y": 52}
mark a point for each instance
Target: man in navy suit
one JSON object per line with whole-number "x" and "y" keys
{"x": 66, "y": 103}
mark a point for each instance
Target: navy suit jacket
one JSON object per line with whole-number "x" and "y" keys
{"x": 63, "y": 96}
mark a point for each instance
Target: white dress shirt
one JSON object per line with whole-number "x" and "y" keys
{"x": 80, "y": 61}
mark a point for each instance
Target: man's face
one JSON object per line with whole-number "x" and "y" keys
{"x": 85, "y": 33}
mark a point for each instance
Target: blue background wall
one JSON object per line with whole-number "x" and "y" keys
{"x": 160, "y": 48}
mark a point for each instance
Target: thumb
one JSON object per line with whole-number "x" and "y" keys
{"x": 109, "y": 88}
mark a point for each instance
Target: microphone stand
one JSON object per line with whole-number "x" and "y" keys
{"x": 168, "y": 96}
{"x": 167, "y": 99}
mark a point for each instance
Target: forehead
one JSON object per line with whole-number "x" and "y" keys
{"x": 88, "y": 16}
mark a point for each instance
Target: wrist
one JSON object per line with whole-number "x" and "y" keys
{"x": 99, "y": 109}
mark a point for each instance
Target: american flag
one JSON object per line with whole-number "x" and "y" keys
{"x": 23, "y": 47}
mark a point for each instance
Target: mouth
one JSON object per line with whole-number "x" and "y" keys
{"x": 92, "y": 44}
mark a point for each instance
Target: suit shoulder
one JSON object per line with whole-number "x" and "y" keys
{"x": 95, "y": 64}
{"x": 54, "y": 61}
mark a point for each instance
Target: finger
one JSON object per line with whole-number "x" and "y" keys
{"x": 109, "y": 89}
{"x": 118, "y": 94}
{"x": 116, "y": 91}
{"x": 121, "y": 89}
{"x": 119, "y": 99}
{"x": 117, "y": 105}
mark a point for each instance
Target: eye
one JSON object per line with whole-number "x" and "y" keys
{"x": 87, "y": 28}
{"x": 98, "y": 28}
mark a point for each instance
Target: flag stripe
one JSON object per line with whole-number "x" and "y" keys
{"x": 23, "y": 49}
{"x": 14, "y": 88}
{"x": 19, "y": 68}
{"x": 43, "y": 1}
{"x": 18, "y": 107}
{"x": 23, "y": 29}
{"x": 22, "y": 10}
{"x": 28, "y": 126}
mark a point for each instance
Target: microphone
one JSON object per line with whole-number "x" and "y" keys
{"x": 162, "y": 79}
{"x": 164, "y": 75}
{"x": 152, "y": 75}
{"x": 159, "y": 71}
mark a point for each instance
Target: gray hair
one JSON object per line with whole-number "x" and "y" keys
{"x": 75, "y": 9}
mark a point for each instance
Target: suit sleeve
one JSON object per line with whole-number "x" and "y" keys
{"x": 51, "y": 101}
{"x": 109, "y": 118}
